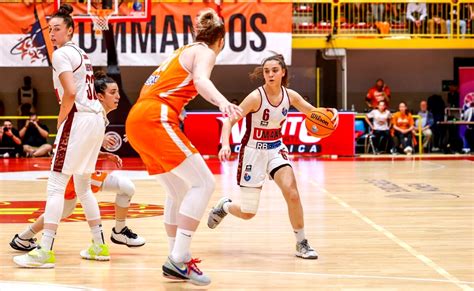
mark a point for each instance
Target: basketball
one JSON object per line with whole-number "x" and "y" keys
{"x": 319, "y": 124}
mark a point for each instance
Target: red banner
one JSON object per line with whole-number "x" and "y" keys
{"x": 203, "y": 129}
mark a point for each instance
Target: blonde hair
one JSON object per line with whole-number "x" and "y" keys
{"x": 209, "y": 26}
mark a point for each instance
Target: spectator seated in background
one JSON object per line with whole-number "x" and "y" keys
{"x": 427, "y": 121}
{"x": 403, "y": 125}
{"x": 380, "y": 126}
{"x": 469, "y": 134}
{"x": 416, "y": 16}
{"x": 34, "y": 136}
{"x": 436, "y": 106}
{"x": 10, "y": 142}
{"x": 438, "y": 13}
{"x": 380, "y": 92}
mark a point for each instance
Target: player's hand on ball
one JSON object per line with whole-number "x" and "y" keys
{"x": 224, "y": 153}
{"x": 335, "y": 118}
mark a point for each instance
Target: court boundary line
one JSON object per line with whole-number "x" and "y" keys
{"x": 328, "y": 275}
{"x": 427, "y": 261}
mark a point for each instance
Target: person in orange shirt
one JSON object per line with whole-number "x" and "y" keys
{"x": 152, "y": 129}
{"x": 403, "y": 125}
{"x": 380, "y": 92}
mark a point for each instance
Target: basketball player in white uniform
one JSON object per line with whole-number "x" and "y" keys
{"x": 263, "y": 152}
{"x": 81, "y": 129}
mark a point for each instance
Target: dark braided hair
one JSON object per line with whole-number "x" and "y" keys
{"x": 101, "y": 81}
{"x": 257, "y": 73}
{"x": 64, "y": 12}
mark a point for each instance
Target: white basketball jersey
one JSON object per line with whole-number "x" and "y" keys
{"x": 264, "y": 126}
{"x": 72, "y": 58}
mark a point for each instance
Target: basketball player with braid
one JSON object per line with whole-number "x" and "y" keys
{"x": 108, "y": 94}
{"x": 81, "y": 129}
{"x": 262, "y": 151}
{"x": 152, "y": 129}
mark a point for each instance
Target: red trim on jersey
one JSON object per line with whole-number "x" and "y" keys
{"x": 245, "y": 140}
{"x": 282, "y": 97}
{"x": 80, "y": 54}
{"x": 287, "y": 96}
{"x": 261, "y": 101}
{"x": 60, "y": 155}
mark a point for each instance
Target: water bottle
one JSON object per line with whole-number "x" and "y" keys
{"x": 353, "y": 108}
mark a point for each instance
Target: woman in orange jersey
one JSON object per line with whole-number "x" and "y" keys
{"x": 403, "y": 125}
{"x": 152, "y": 129}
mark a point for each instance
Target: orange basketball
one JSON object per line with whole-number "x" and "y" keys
{"x": 319, "y": 124}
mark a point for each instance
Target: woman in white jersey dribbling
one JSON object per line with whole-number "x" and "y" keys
{"x": 81, "y": 129}
{"x": 263, "y": 152}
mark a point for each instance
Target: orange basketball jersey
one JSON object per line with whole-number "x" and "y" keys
{"x": 170, "y": 83}
{"x": 97, "y": 179}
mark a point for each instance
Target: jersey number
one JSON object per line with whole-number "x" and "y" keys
{"x": 266, "y": 114}
{"x": 91, "y": 95}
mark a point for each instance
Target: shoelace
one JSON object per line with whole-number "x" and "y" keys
{"x": 305, "y": 246}
{"x": 192, "y": 266}
{"x": 129, "y": 233}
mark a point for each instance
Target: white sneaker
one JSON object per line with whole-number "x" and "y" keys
{"x": 217, "y": 213}
{"x": 127, "y": 237}
{"x": 408, "y": 150}
{"x": 305, "y": 251}
{"x": 37, "y": 258}
{"x": 98, "y": 252}
{"x": 185, "y": 271}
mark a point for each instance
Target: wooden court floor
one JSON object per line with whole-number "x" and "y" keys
{"x": 381, "y": 225}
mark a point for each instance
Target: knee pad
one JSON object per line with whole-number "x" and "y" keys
{"x": 69, "y": 205}
{"x": 201, "y": 181}
{"x": 175, "y": 190}
{"x": 55, "y": 202}
{"x": 125, "y": 193}
{"x": 82, "y": 183}
{"x": 250, "y": 198}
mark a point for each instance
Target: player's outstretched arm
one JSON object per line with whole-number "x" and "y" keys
{"x": 304, "y": 107}
{"x": 203, "y": 63}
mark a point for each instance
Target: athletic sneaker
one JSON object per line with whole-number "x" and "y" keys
{"x": 20, "y": 244}
{"x": 305, "y": 251}
{"x": 98, "y": 252}
{"x": 217, "y": 213}
{"x": 185, "y": 271}
{"x": 37, "y": 258}
{"x": 408, "y": 150}
{"x": 127, "y": 237}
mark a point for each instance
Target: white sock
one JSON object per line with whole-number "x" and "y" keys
{"x": 97, "y": 234}
{"x": 299, "y": 234}
{"x": 182, "y": 244}
{"x": 47, "y": 239}
{"x": 226, "y": 207}
{"x": 171, "y": 241}
{"x": 119, "y": 225}
{"x": 27, "y": 233}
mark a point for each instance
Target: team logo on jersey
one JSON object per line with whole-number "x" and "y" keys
{"x": 266, "y": 134}
{"x": 263, "y": 123}
{"x": 117, "y": 141}
{"x": 151, "y": 80}
{"x": 284, "y": 111}
{"x": 248, "y": 168}
{"x": 247, "y": 177}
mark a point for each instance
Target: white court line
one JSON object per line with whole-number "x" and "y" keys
{"x": 427, "y": 261}
{"x": 340, "y": 276}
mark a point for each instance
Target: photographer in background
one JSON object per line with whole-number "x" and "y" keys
{"x": 34, "y": 135}
{"x": 9, "y": 138}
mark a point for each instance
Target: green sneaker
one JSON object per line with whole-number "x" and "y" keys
{"x": 98, "y": 252}
{"x": 37, "y": 258}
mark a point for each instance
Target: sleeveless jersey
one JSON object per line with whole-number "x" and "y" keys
{"x": 171, "y": 82}
{"x": 264, "y": 126}
{"x": 71, "y": 58}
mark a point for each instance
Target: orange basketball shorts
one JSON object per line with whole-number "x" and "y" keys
{"x": 97, "y": 179}
{"x": 152, "y": 129}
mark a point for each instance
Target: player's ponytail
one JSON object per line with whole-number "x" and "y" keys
{"x": 101, "y": 81}
{"x": 257, "y": 73}
{"x": 209, "y": 27}
{"x": 64, "y": 12}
